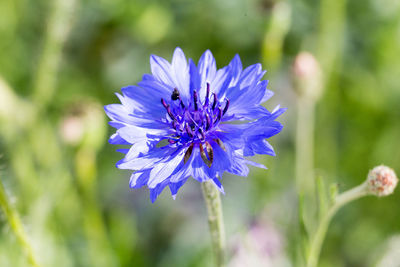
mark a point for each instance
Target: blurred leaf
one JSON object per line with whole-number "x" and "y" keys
{"x": 153, "y": 24}
{"x": 304, "y": 234}
{"x": 322, "y": 196}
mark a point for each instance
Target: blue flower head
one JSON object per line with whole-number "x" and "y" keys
{"x": 186, "y": 121}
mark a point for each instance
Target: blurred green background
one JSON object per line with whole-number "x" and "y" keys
{"x": 62, "y": 60}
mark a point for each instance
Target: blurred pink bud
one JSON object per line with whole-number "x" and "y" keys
{"x": 84, "y": 124}
{"x": 307, "y": 75}
{"x": 72, "y": 129}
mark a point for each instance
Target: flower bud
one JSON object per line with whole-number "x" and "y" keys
{"x": 307, "y": 76}
{"x": 83, "y": 125}
{"x": 381, "y": 181}
{"x": 71, "y": 130}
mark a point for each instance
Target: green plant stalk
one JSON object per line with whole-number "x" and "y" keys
{"x": 305, "y": 145}
{"x": 58, "y": 27}
{"x": 278, "y": 27}
{"x": 215, "y": 221}
{"x": 330, "y": 42}
{"x": 341, "y": 200}
{"x": 304, "y": 171}
{"x": 16, "y": 226}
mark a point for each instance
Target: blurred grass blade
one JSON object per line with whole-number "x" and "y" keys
{"x": 58, "y": 28}
{"x": 279, "y": 26}
{"x": 304, "y": 235}
{"x": 16, "y": 226}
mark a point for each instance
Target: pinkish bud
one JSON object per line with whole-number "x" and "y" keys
{"x": 307, "y": 75}
{"x": 381, "y": 181}
{"x": 72, "y": 130}
{"x": 84, "y": 124}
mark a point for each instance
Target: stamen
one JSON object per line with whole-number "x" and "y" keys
{"x": 182, "y": 105}
{"x": 195, "y": 100}
{"x": 226, "y": 107}
{"x": 192, "y": 119}
{"x": 166, "y": 106}
{"x": 164, "y": 103}
{"x": 208, "y": 122}
{"x": 207, "y": 95}
{"x": 219, "y": 115}
{"x": 188, "y": 130}
{"x": 202, "y": 134}
{"x": 170, "y": 113}
{"x": 195, "y": 121}
{"x": 215, "y": 101}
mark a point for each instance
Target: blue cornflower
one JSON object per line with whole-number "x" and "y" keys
{"x": 186, "y": 121}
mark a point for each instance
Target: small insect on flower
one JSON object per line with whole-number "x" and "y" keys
{"x": 186, "y": 121}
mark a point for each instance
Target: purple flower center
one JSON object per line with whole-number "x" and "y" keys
{"x": 191, "y": 123}
{"x": 194, "y": 123}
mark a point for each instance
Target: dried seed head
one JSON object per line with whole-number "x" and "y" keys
{"x": 381, "y": 181}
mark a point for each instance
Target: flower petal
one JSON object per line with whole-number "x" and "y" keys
{"x": 116, "y": 139}
{"x": 251, "y": 75}
{"x": 138, "y": 100}
{"x": 164, "y": 169}
{"x": 207, "y": 70}
{"x": 139, "y": 179}
{"x": 133, "y": 134}
{"x": 174, "y": 187}
{"x": 145, "y": 160}
{"x": 221, "y": 82}
{"x": 155, "y": 192}
{"x": 118, "y": 113}
{"x": 219, "y": 185}
{"x": 236, "y": 69}
{"x": 180, "y": 69}
{"x": 195, "y": 79}
{"x": 161, "y": 70}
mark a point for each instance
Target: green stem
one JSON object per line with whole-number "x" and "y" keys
{"x": 215, "y": 221}
{"x": 341, "y": 200}
{"x": 305, "y": 145}
{"x": 16, "y": 225}
{"x": 58, "y": 27}
{"x": 278, "y": 27}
